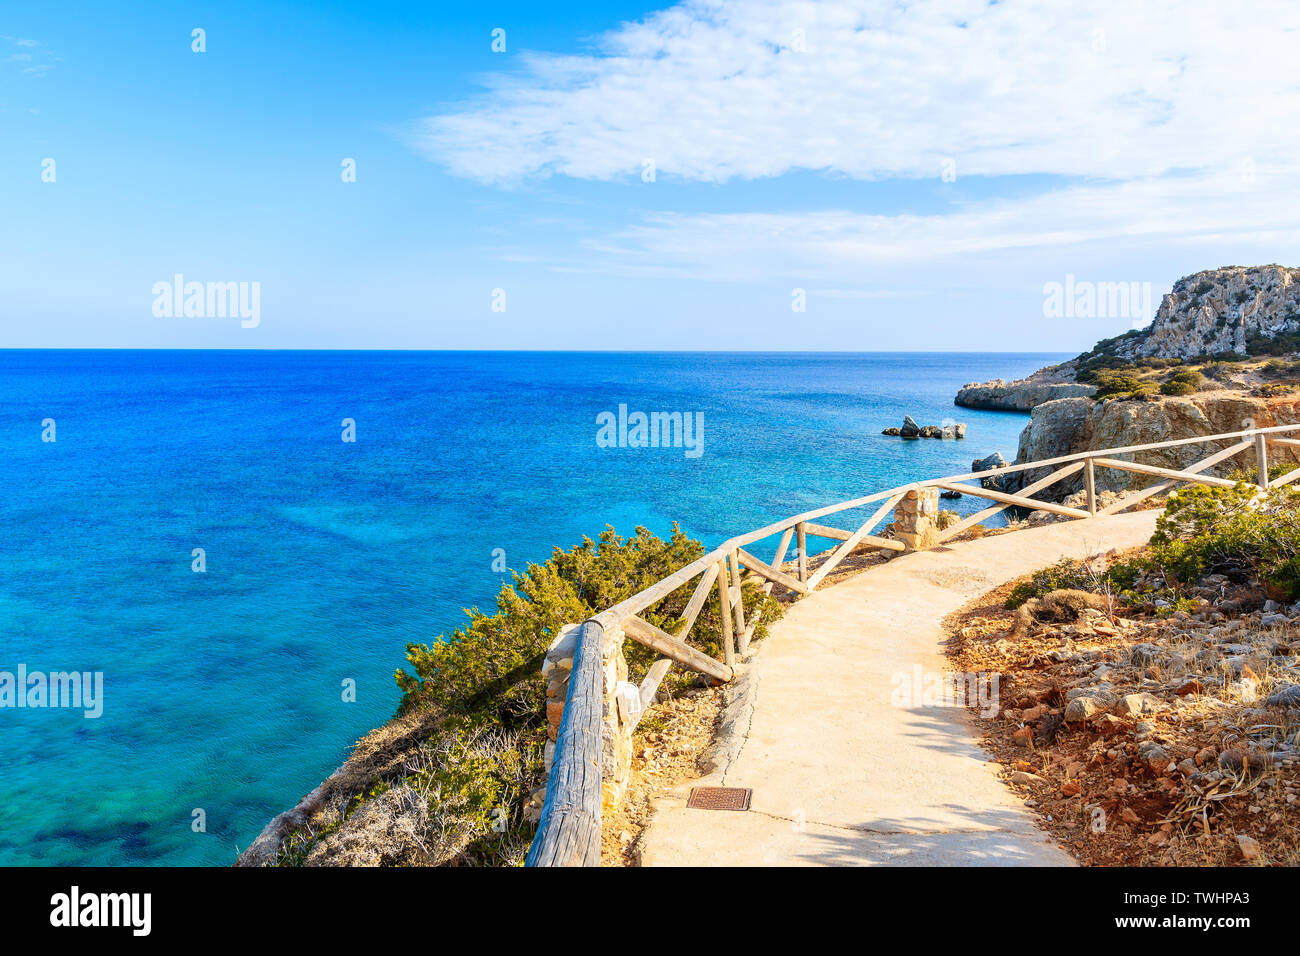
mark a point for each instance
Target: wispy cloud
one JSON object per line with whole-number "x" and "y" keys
{"x": 1223, "y": 208}
{"x": 1155, "y": 125}
{"x": 714, "y": 91}
{"x": 33, "y": 57}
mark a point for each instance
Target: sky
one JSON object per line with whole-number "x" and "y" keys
{"x": 756, "y": 174}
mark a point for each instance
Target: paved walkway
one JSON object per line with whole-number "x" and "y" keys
{"x": 840, "y": 775}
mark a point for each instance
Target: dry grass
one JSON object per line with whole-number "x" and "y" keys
{"x": 665, "y": 751}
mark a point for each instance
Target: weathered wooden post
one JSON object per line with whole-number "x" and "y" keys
{"x": 801, "y": 539}
{"x": 738, "y": 605}
{"x": 1261, "y": 458}
{"x": 1090, "y": 485}
{"x": 591, "y": 710}
{"x": 568, "y": 833}
{"x": 724, "y": 611}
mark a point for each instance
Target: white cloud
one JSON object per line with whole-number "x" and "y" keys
{"x": 1194, "y": 212}
{"x": 39, "y": 63}
{"x": 1115, "y": 89}
{"x": 1164, "y": 130}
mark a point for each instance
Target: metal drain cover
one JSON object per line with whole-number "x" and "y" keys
{"x": 719, "y": 798}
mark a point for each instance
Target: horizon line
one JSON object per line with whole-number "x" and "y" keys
{"x": 560, "y": 351}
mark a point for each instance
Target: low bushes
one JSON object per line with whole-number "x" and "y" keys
{"x": 1183, "y": 383}
{"x": 462, "y": 788}
{"x": 1121, "y": 384}
{"x": 1240, "y": 532}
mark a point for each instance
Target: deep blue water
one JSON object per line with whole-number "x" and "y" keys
{"x": 223, "y": 689}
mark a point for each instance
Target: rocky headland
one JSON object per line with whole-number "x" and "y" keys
{"x": 1219, "y": 357}
{"x": 1022, "y": 395}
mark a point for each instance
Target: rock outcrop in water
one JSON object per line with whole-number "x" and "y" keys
{"x": 910, "y": 429}
{"x": 1022, "y": 395}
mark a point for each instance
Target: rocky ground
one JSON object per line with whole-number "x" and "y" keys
{"x": 1166, "y": 733}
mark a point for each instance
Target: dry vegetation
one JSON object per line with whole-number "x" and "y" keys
{"x": 1187, "y": 753}
{"x": 665, "y": 752}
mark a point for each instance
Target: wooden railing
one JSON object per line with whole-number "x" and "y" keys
{"x": 569, "y": 830}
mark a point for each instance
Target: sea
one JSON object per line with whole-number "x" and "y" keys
{"x": 242, "y": 543}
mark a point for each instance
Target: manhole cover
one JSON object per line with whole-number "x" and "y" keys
{"x": 719, "y": 798}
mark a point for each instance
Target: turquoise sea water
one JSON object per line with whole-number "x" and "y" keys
{"x": 223, "y": 690}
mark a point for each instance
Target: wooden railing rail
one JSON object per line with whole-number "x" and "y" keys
{"x": 569, "y": 831}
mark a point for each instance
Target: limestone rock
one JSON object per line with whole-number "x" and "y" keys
{"x": 1019, "y": 396}
{"x": 1220, "y": 310}
{"x": 1249, "y": 846}
{"x": 1134, "y": 704}
{"x": 1154, "y": 756}
{"x": 1025, "y": 779}
{"x": 1288, "y": 696}
{"x": 1108, "y": 725}
{"x": 1084, "y": 708}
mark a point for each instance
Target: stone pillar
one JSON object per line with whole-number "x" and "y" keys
{"x": 620, "y": 708}
{"x": 556, "y": 668}
{"x": 916, "y": 519}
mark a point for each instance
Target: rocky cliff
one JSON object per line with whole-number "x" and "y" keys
{"x": 1234, "y": 309}
{"x": 1073, "y": 425}
{"x": 1230, "y": 311}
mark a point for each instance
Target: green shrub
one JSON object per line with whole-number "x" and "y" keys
{"x": 1280, "y": 369}
{"x": 1250, "y": 475}
{"x": 468, "y": 782}
{"x": 1185, "y": 382}
{"x": 1121, "y": 384}
{"x": 1284, "y": 343}
{"x": 1120, "y": 580}
{"x": 1239, "y": 531}
{"x": 1074, "y": 575}
{"x": 489, "y": 669}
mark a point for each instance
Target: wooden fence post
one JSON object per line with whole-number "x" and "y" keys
{"x": 724, "y": 611}
{"x": 801, "y": 537}
{"x": 1090, "y": 484}
{"x": 569, "y": 831}
{"x": 742, "y": 638}
{"x": 1261, "y": 457}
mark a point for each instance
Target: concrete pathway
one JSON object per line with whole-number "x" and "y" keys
{"x": 841, "y": 775}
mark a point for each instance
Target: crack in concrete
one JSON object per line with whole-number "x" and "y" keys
{"x": 876, "y": 831}
{"x": 752, "y": 703}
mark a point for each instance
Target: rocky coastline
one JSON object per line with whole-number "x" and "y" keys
{"x": 1218, "y": 357}
{"x": 1022, "y": 395}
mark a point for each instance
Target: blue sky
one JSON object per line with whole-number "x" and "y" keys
{"x": 919, "y": 171}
